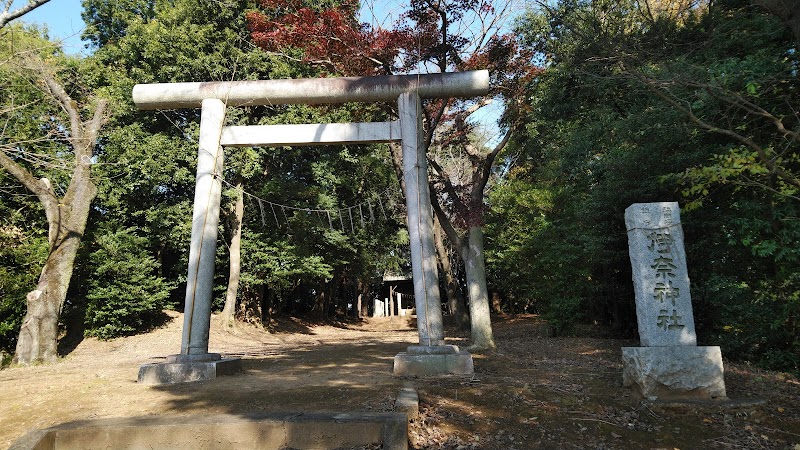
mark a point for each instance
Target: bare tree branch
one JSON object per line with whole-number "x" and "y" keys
{"x": 747, "y": 141}
{"x": 7, "y": 15}
{"x": 67, "y": 104}
{"x": 487, "y": 166}
{"x": 444, "y": 221}
{"x": 458, "y": 204}
{"x": 37, "y": 186}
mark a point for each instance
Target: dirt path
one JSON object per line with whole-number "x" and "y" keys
{"x": 534, "y": 392}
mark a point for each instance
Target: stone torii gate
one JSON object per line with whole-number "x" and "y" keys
{"x": 431, "y": 356}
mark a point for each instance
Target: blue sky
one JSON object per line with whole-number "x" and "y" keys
{"x": 63, "y": 20}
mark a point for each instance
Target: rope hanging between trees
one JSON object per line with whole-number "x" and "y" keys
{"x": 322, "y": 213}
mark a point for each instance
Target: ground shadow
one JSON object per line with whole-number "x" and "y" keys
{"x": 350, "y": 377}
{"x": 534, "y": 391}
{"x": 290, "y": 325}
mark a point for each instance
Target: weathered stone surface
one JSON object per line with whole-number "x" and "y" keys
{"x": 204, "y": 357}
{"x": 419, "y": 218}
{"x": 432, "y": 349}
{"x": 183, "y": 372}
{"x": 424, "y": 365}
{"x": 674, "y": 373}
{"x": 205, "y": 220}
{"x": 660, "y": 278}
{"x": 209, "y": 96}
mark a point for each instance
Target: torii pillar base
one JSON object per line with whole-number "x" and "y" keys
{"x": 435, "y": 360}
{"x": 188, "y": 368}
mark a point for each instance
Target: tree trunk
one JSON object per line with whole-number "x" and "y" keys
{"x": 358, "y": 299}
{"x": 455, "y": 301}
{"x": 38, "y": 334}
{"x": 339, "y": 298}
{"x": 8, "y": 15}
{"x": 227, "y": 317}
{"x": 66, "y": 220}
{"x": 497, "y": 303}
{"x": 318, "y": 309}
{"x": 390, "y": 303}
{"x": 363, "y": 294}
{"x": 269, "y": 308}
{"x": 482, "y": 337}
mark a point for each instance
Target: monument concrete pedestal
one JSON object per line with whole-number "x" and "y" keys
{"x": 188, "y": 368}
{"x": 674, "y": 373}
{"x": 424, "y": 361}
{"x": 669, "y": 365}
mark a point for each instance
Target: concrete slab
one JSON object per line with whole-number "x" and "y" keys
{"x": 188, "y": 371}
{"x": 407, "y": 402}
{"x": 317, "y": 431}
{"x": 432, "y": 364}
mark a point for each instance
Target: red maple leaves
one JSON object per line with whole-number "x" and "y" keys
{"x": 331, "y": 38}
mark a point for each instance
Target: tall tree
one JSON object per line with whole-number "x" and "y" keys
{"x": 146, "y": 41}
{"x": 33, "y": 62}
{"x": 227, "y": 316}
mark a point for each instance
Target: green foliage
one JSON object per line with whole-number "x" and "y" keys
{"x": 146, "y": 170}
{"x": 22, "y": 254}
{"x": 124, "y": 295}
{"x": 147, "y": 165}
{"x": 742, "y": 327}
{"x": 297, "y": 254}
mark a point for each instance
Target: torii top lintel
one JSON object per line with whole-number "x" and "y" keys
{"x": 311, "y": 90}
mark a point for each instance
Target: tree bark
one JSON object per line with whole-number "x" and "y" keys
{"x": 39, "y": 332}
{"x": 363, "y": 294}
{"x": 358, "y": 298}
{"x": 470, "y": 246}
{"x": 319, "y": 306}
{"x": 470, "y": 250}
{"x": 455, "y": 300}
{"x": 227, "y": 317}
{"x": 66, "y": 220}
{"x": 480, "y": 319}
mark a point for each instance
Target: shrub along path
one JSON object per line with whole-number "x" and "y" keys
{"x": 533, "y": 392}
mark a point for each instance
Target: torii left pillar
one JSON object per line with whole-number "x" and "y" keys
{"x": 195, "y": 363}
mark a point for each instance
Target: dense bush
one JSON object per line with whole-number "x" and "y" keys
{"x": 125, "y": 294}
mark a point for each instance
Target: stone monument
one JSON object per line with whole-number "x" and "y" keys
{"x": 669, "y": 364}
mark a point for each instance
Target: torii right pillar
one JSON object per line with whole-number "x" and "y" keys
{"x": 432, "y": 356}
